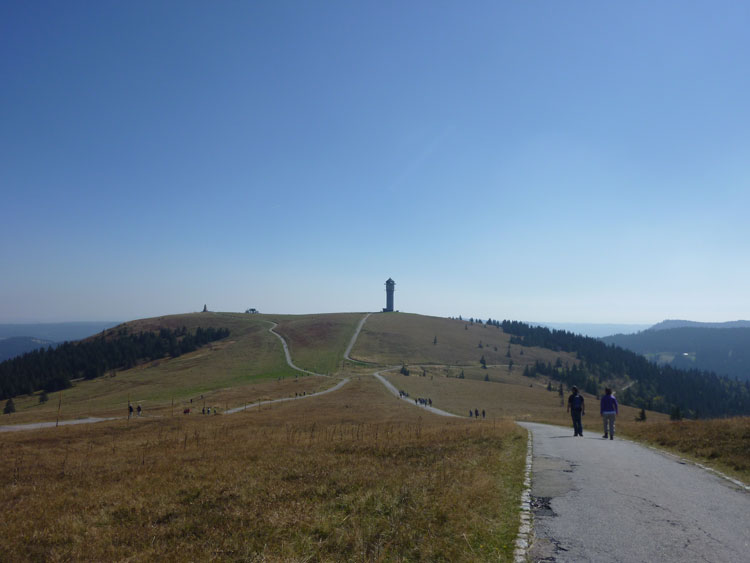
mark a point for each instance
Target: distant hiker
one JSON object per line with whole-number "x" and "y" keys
{"x": 476, "y": 413}
{"x": 576, "y": 408}
{"x": 609, "y": 411}
{"x": 471, "y": 413}
{"x": 482, "y": 413}
{"x": 130, "y": 411}
{"x": 429, "y": 401}
{"x": 203, "y": 410}
{"x": 140, "y": 410}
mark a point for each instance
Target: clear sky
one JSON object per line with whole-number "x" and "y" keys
{"x": 551, "y": 161}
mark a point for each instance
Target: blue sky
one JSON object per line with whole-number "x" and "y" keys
{"x": 547, "y": 161}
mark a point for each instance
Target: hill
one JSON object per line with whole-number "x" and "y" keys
{"x": 668, "y": 324}
{"x": 725, "y": 351}
{"x": 17, "y": 345}
{"x": 353, "y": 474}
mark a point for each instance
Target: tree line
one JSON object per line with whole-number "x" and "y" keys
{"x": 53, "y": 369}
{"x": 694, "y": 392}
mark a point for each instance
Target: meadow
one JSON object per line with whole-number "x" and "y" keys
{"x": 723, "y": 443}
{"x": 244, "y": 368}
{"x": 353, "y": 475}
{"x": 357, "y": 474}
{"x": 402, "y": 338}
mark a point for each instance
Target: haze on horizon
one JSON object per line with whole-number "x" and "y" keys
{"x": 564, "y": 162}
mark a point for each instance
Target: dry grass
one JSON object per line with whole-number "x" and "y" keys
{"x": 724, "y": 443}
{"x": 355, "y": 475}
{"x": 399, "y": 338}
{"x": 318, "y": 342}
{"x": 248, "y": 362}
{"x": 506, "y": 395}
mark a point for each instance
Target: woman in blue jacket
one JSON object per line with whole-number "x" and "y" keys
{"x": 609, "y": 411}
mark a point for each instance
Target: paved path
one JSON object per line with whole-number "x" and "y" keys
{"x": 410, "y": 400}
{"x": 38, "y": 425}
{"x": 354, "y": 338}
{"x": 287, "y": 354}
{"x": 616, "y": 501}
{"x": 338, "y": 386}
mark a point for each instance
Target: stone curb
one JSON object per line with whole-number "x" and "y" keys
{"x": 525, "y": 528}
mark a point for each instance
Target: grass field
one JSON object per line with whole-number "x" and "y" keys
{"x": 401, "y": 338}
{"x": 318, "y": 342}
{"x": 722, "y": 443}
{"x": 507, "y": 395}
{"x": 354, "y": 475}
{"x": 240, "y": 368}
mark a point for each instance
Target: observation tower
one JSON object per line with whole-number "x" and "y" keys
{"x": 390, "y": 287}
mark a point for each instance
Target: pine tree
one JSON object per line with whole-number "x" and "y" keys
{"x": 10, "y": 407}
{"x": 43, "y": 398}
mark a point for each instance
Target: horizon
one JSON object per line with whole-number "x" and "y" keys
{"x": 571, "y": 161}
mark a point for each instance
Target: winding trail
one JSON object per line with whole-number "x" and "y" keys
{"x": 353, "y": 341}
{"x": 287, "y": 355}
{"x": 38, "y": 425}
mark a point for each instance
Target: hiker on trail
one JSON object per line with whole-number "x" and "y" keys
{"x": 476, "y": 413}
{"x": 130, "y": 410}
{"x": 203, "y": 411}
{"x": 609, "y": 411}
{"x": 471, "y": 413}
{"x": 576, "y": 408}
{"x": 140, "y": 410}
{"x": 429, "y": 401}
{"x": 482, "y": 413}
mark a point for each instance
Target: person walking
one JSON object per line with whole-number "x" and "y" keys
{"x": 609, "y": 411}
{"x": 576, "y": 408}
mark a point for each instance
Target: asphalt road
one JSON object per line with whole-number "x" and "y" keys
{"x": 616, "y": 501}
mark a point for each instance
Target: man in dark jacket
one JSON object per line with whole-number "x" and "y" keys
{"x": 609, "y": 411}
{"x": 576, "y": 409}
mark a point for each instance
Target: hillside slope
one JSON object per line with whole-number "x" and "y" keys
{"x": 401, "y": 338}
{"x": 725, "y": 351}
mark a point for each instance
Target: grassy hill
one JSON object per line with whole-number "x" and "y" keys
{"x": 225, "y": 372}
{"x": 401, "y": 338}
{"x": 318, "y": 342}
{"x": 353, "y": 474}
{"x": 725, "y": 351}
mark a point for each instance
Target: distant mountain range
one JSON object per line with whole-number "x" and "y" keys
{"x": 17, "y": 345}
{"x": 664, "y": 325}
{"x": 594, "y": 330}
{"x": 723, "y": 348}
{"x": 17, "y": 339}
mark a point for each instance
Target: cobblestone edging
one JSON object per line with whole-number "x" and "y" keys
{"x": 525, "y": 529}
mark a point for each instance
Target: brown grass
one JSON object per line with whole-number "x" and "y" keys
{"x": 248, "y": 362}
{"x": 398, "y": 338}
{"x": 506, "y": 395}
{"x": 723, "y": 443}
{"x": 355, "y": 475}
{"x": 318, "y": 342}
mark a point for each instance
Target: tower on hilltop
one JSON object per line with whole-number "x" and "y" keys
{"x": 390, "y": 287}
